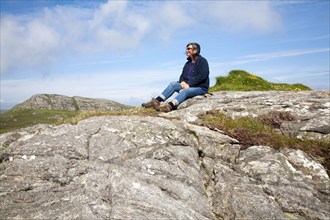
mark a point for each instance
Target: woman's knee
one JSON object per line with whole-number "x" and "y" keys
{"x": 191, "y": 92}
{"x": 173, "y": 84}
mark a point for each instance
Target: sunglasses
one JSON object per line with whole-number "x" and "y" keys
{"x": 189, "y": 48}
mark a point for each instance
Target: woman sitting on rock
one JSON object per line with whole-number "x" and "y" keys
{"x": 193, "y": 81}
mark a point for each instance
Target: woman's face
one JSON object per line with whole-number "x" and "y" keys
{"x": 190, "y": 51}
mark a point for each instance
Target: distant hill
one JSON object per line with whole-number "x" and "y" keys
{"x": 52, "y": 109}
{"x": 3, "y": 110}
{"x": 75, "y": 103}
{"x": 239, "y": 80}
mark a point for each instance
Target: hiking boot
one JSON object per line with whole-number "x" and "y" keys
{"x": 152, "y": 104}
{"x": 164, "y": 108}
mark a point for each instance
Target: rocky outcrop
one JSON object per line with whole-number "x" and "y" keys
{"x": 310, "y": 110}
{"x": 167, "y": 167}
{"x": 76, "y": 103}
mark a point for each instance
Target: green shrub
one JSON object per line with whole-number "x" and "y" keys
{"x": 239, "y": 80}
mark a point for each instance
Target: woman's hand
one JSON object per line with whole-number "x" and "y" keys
{"x": 184, "y": 85}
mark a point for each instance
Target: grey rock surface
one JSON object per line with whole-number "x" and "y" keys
{"x": 311, "y": 109}
{"x": 75, "y": 103}
{"x": 167, "y": 167}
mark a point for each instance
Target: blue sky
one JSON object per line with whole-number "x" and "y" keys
{"x": 128, "y": 51}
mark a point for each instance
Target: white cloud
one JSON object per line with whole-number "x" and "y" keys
{"x": 287, "y": 53}
{"x": 39, "y": 39}
{"x": 117, "y": 26}
{"x": 26, "y": 45}
{"x": 271, "y": 55}
{"x": 170, "y": 17}
{"x": 241, "y": 15}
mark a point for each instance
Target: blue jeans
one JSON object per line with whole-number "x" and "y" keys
{"x": 183, "y": 94}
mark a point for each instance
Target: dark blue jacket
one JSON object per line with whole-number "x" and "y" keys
{"x": 200, "y": 74}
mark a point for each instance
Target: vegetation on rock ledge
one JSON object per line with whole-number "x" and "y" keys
{"x": 239, "y": 80}
{"x": 262, "y": 131}
{"x": 21, "y": 118}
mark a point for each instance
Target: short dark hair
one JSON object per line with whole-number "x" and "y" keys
{"x": 196, "y": 46}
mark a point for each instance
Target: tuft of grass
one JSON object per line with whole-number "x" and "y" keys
{"x": 138, "y": 111}
{"x": 274, "y": 119}
{"x": 260, "y": 131}
{"x": 239, "y": 80}
{"x": 21, "y": 118}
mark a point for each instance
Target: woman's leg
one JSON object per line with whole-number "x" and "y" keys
{"x": 171, "y": 88}
{"x": 168, "y": 92}
{"x": 188, "y": 93}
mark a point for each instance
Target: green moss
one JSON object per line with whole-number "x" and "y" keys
{"x": 239, "y": 80}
